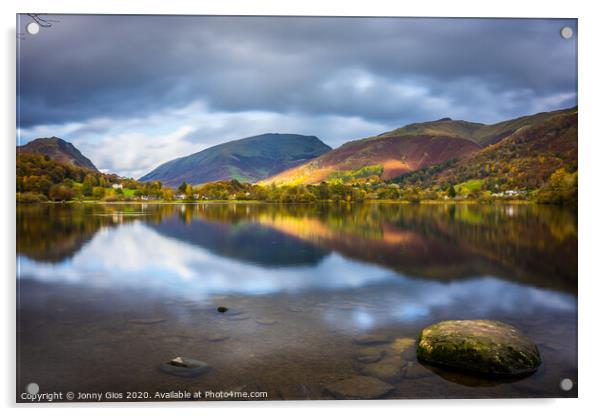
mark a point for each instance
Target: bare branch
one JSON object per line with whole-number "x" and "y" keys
{"x": 42, "y": 21}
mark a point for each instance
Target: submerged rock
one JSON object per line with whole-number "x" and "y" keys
{"x": 222, "y": 309}
{"x": 372, "y": 349}
{"x": 401, "y": 345}
{"x": 147, "y": 321}
{"x": 369, "y": 358}
{"x": 239, "y": 317}
{"x": 415, "y": 370}
{"x": 479, "y": 346}
{"x": 185, "y": 367}
{"x": 217, "y": 337}
{"x": 409, "y": 354}
{"x": 175, "y": 339}
{"x": 294, "y": 392}
{"x": 379, "y": 350}
{"x": 387, "y": 369}
{"x": 372, "y": 339}
{"x": 359, "y": 387}
{"x": 266, "y": 321}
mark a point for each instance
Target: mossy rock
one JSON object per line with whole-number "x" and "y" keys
{"x": 478, "y": 346}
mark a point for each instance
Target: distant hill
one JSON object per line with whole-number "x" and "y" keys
{"x": 58, "y": 150}
{"x": 523, "y": 160}
{"x": 408, "y": 149}
{"x": 249, "y": 160}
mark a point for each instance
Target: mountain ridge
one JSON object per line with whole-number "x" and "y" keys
{"x": 409, "y": 148}
{"x": 248, "y": 159}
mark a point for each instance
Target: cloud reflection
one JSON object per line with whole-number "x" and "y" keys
{"x": 137, "y": 258}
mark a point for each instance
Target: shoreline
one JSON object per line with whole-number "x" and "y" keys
{"x": 226, "y": 201}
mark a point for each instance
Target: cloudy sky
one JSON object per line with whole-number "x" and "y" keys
{"x": 132, "y": 92}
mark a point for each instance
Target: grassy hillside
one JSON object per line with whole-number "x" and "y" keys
{"x": 247, "y": 160}
{"x": 40, "y": 178}
{"x": 429, "y": 148}
{"x": 525, "y": 160}
{"x": 387, "y": 157}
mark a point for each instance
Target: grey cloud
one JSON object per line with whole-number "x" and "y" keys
{"x": 89, "y": 66}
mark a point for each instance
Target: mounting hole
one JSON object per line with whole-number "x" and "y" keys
{"x": 32, "y": 388}
{"x": 566, "y": 384}
{"x": 566, "y": 32}
{"x": 32, "y": 28}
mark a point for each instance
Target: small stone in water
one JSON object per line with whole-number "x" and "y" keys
{"x": 178, "y": 362}
{"x": 185, "y": 367}
{"x": 222, "y": 309}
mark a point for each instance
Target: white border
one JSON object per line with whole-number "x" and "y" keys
{"x": 590, "y": 143}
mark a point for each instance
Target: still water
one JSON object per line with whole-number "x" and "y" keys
{"x": 107, "y": 293}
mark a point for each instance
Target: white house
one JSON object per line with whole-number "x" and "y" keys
{"x": 117, "y": 186}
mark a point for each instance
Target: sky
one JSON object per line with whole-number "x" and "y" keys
{"x": 132, "y": 92}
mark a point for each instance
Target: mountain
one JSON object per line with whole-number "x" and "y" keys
{"x": 523, "y": 160}
{"x": 58, "y": 150}
{"x": 411, "y": 148}
{"x": 388, "y": 155}
{"x": 249, "y": 160}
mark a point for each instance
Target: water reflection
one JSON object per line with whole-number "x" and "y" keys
{"x": 536, "y": 245}
{"x": 305, "y": 279}
{"x": 246, "y": 241}
{"x": 135, "y": 257}
{"x": 197, "y": 252}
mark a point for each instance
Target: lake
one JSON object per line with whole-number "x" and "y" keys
{"x": 109, "y": 292}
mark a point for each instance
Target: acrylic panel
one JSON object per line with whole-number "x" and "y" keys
{"x": 291, "y": 208}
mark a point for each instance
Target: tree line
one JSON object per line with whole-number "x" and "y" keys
{"x": 40, "y": 179}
